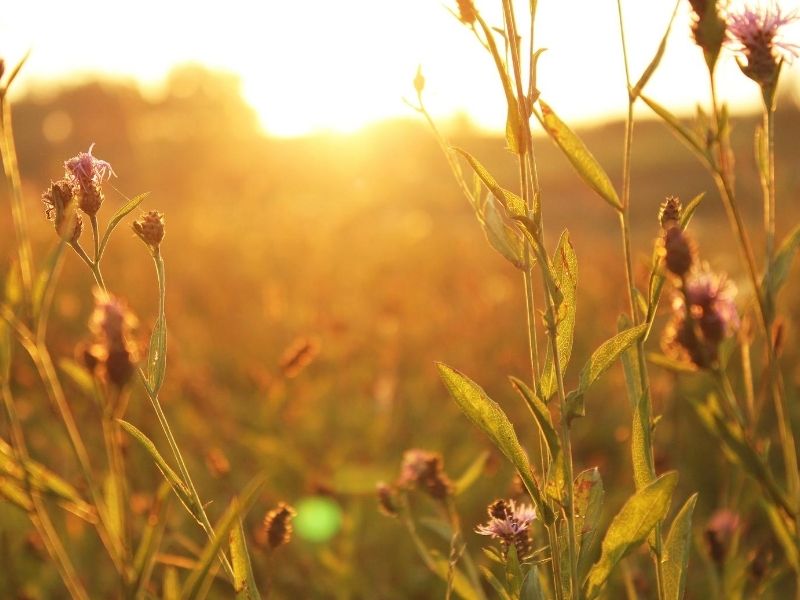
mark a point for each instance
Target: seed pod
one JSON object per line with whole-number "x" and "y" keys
{"x": 150, "y": 228}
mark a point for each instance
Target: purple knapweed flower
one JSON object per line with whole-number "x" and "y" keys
{"x": 756, "y": 33}
{"x": 510, "y": 523}
{"x": 85, "y": 169}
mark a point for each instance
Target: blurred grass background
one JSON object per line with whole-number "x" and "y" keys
{"x": 361, "y": 245}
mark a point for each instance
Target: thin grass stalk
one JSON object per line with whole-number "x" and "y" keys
{"x": 38, "y": 515}
{"x": 722, "y": 177}
{"x": 40, "y": 356}
{"x": 645, "y": 403}
{"x": 11, "y": 168}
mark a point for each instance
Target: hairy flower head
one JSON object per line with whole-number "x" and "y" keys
{"x": 424, "y": 469}
{"x": 87, "y": 173}
{"x": 756, "y": 34}
{"x": 59, "y": 207}
{"x": 150, "y": 228}
{"x": 510, "y": 523}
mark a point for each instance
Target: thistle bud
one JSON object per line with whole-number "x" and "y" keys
{"x": 708, "y": 29}
{"x": 59, "y": 207}
{"x": 114, "y": 353}
{"x": 150, "y": 229}
{"x": 669, "y": 213}
{"x": 678, "y": 251}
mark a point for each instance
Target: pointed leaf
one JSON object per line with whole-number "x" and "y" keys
{"x": 676, "y": 551}
{"x": 578, "y": 154}
{"x": 510, "y": 201}
{"x": 169, "y": 474}
{"x": 488, "y": 415}
{"x": 780, "y": 267}
{"x": 230, "y": 518}
{"x": 687, "y": 136}
{"x": 589, "y": 494}
{"x": 123, "y": 211}
{"x": 565, "y": 273}
{"x": 532, "y": 587}
{"x": 157, "y": 355}
{"x": 472, "y": 474}
{"x": 651, "y": 68}
{"x": 150, "y": 540}
{"x": 244, "y": 584}
{"x": 501, "y": 234}
{"x": 630, "y": 527}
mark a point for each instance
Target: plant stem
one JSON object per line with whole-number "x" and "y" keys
{"x": 11, "y": 168}
{"x": 643, "y": 403}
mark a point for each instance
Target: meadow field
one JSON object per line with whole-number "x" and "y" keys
{"x": 313, "y": 283}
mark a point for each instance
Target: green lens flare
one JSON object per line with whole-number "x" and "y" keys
{"x": 318, "y": 519}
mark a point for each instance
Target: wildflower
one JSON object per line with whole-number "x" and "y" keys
{"x": 59, "y": 207}
{"x": 510, "y": 523}
{"x": 466, "y": 11}
{"x": 277, "y": 528}
{"x": 719, "y": 534}
{"x": 704, "y": 314}
{"x": 87, "y": 174}
{"x": 111, "y": 323}
{"x": 755, "y": 33}
{"x": 150, "y": 229}
{"x": 708, "y": 29}
{"x": 426, "y": 470}
{"x": 385, "y": 500}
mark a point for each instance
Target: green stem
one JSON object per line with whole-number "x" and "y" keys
{"x": 643, "y": 403}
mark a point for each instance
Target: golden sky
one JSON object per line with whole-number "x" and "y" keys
{"x": 336, "y": 65}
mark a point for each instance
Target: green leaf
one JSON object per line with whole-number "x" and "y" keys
{"x": 244, "y": 584}
{"x": 157, "y": 355}
{"x": 651, "y": 68}
{"x": 78, "y": 375}
{"x": 172, "y": 585}
{"x": 497, "y": 585}
{"x": 532, "y": 587}
{"x": 780, "y": 267}
{"x": 230, "y": 518}
{"x": 565, "y": 274}
{"x": 589, "y": 494}
{"x": 556, "y": 475}
{"x": 670, "y": 364}
{"x": 676, "y": 551}
{"x": 488, "y": 415}
{"x": 501, "y": 234}
{"x": 686, "y": 135}
{"x": 630, "y": 527}
{"x": 529, "y": 228}
{"x": 600, "y": 361}
{"x": 123, "y": 211}
{"x": 472, "y": 474}
{"x": 171, "y": 476}
{"x": 510, "y": 201}
{"x": 578, "y": 154}
{"x": 738, "y": 450}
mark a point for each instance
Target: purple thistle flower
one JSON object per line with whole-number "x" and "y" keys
{"x": 86, "y": 170}
{"x": 510, "y": 523}
{"x": 756, "y": 34}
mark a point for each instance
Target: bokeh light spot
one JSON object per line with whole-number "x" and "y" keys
{"x": 318, "y": 519}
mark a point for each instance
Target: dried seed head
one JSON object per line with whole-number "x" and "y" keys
{"x": 708, "y": 29}
{"x": 756, "y": 34}
{"x": 386, "y": 502}
{"x": 424, "y": 469}
{"x": 277, "y": 529}
{"x": 59, "y": 207}
{"x": 719, "y": 534}
{"x": 678, "y": 251}
{"x": 669, "y": 213}
{"x": 510, "y": 523}
{"x": 466, "y": 11}
{"x": 150, "y": 228}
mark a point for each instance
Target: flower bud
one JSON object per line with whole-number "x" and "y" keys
{"x": 150, "y": 228}
{"x": 669, "y": 213}
{"x": 277, "y": 528}
{"x": 466, "y": 11}
{"x": 59, "y": 207}
{"x": 678, "y": 251}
